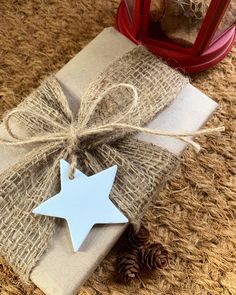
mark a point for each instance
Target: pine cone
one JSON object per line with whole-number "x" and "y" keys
{"x": 137, "y": 239}
{"x": 154, "y": 256}
{"x": 128, "y": 266}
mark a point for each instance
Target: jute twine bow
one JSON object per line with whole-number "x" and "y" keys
{"x": 75, "y": 134}
{"x": 122, "y": 99}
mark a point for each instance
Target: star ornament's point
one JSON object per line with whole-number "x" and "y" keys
{"x": 83, "y": 202}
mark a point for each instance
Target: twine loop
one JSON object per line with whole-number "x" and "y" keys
{"x": 73, "y": 135}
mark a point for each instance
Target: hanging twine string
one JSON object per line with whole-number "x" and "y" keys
{"x": 73, "y": 134}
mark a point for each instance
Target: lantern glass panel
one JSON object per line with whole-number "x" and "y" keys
{"x": 228, "y": 20}
{"x": 131, "y": 8}
{"x": 177, "y": 21}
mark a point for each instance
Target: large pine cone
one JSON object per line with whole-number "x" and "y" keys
{"x": 154, "y": 256}
{"x": 137, "y": 239}
{"x": 128, "y": 266}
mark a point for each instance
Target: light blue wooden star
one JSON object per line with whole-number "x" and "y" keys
{"x": 83, "y": 202}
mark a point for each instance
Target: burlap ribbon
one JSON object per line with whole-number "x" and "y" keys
{"x": 45, "y": 114}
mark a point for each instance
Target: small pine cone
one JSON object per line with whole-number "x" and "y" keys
{"x": 137, "y": 239}
{"x": 154, "y": 256}
{"x": 128, "y": 266}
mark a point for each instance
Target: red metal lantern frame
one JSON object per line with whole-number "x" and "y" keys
{"x": 205, "y": 52}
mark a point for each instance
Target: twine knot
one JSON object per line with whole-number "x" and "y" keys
{"x": 73, "y": 139}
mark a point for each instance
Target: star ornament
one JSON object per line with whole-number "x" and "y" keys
{"x": 83, "y": 202}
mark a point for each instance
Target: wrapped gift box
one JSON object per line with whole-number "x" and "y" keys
{"x": 61, "y": 271}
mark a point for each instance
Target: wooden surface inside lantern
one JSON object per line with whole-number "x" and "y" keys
{"x": 192, "y": 35}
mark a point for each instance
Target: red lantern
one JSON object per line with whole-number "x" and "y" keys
{"x": 192, "y": 35}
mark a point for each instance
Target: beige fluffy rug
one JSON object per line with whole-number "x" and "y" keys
{"x": 195, "y": 215}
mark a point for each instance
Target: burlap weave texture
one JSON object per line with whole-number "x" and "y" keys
{"x": 143, "y": 168}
